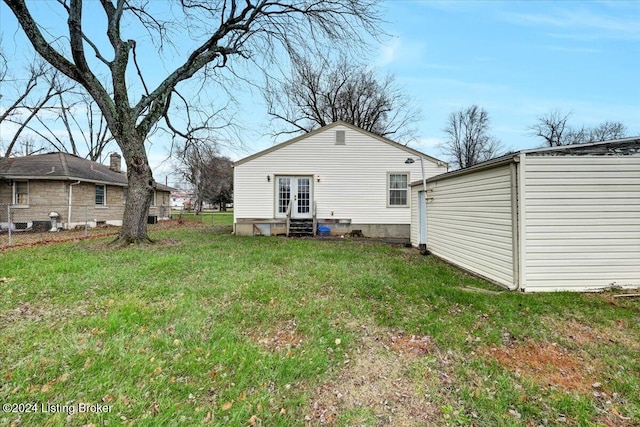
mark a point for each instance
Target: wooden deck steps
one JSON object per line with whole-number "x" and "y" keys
{"x": 301, "y": 227}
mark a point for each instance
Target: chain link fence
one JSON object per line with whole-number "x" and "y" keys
{"x": 32, "y": 223}
{"x": 207, "y": 216}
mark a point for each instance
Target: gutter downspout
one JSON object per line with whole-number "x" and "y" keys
{"x": 70, "y": 201}
{"x": 424, "y": 251}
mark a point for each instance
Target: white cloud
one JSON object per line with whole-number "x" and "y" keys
{"x": 582, "y": 24}
{"x": 402, "y": 51}
{"x": 388, "y": 52}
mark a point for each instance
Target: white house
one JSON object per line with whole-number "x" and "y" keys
{"x": 180, "y": 199}
{"x": 563, "y": 218}
{"x": 336, "y": 179}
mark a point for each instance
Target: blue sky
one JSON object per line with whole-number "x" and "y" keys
{"x": 517, "y": 59}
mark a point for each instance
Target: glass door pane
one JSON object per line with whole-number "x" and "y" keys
{"x": 304, "y": 196}
{"x": 284, "y": 194}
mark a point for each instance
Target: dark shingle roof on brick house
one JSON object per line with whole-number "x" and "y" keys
{"x": 63, "y": 167}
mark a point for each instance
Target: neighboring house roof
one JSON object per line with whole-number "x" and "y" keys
{"x": 181, "y": 195}
{"x": 63, "y": 167}
{"x": 616, "y": 147}
{"x": 334, "y": 124}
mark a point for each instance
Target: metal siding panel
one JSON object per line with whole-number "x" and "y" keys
{"x": 583, "y": 227}
{"x": 469, "y": 223}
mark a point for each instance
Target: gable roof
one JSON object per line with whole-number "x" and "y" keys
{"x": 62, "y": 167}
{"x": 332, "y": 125}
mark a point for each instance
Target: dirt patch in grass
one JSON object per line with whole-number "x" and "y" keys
{"x": 40, "y": 312}
{"x": 283, "y": 336}
{"x": 548, "y": 364}
{"x": 376, "y": 386}
{"x": 581, "y": 333}
{"x": 31, "y": 239}
{"x": 585, "y": 334}
{"x": 411, "y": 345}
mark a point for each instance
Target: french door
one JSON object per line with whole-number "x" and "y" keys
{"x": 297, "y": 191}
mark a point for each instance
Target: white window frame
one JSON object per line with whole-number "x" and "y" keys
{"x": 14, "y": 191}
{"x": 104, "y": 195}
{"x": 389, "y": 190}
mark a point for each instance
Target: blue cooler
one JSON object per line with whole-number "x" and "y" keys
{"x": 324, "y": 231}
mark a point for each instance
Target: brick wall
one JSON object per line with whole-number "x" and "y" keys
{"x": 47, "y": 196}
{"x": 44, "y": 197}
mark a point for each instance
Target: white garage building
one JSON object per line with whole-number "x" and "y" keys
{"x": 556, "y": 219}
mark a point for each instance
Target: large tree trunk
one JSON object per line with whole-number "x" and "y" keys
{"x": 141, "y": 187}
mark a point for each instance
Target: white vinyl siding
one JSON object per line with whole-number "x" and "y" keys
{"x": 349, "y": 181}
{"x": 582, "y": 222}
{"x": 469, "y": 222}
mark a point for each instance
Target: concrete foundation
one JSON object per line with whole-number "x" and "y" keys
{"x": 268, "y": 227}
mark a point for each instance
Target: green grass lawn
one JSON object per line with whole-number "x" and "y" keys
{"x": 206, "y": 328}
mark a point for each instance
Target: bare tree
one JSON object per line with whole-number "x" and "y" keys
{"x": 39, "y": 98}
{"x": 28, "y": 94}
{"x": 320, "y": 93}
{"x": 468, "y": 140}
{"x": 209, "y": 173}
{"x": 214, "y": 33}
{"x": 607, "y": 131}
{"x": 554, "y": 130}
{"x": 85, "y": 130}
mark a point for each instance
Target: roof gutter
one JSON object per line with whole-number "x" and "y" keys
{"x": 500, "y": 161}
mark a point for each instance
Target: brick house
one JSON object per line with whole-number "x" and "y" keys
{"x": 80, "y": 191}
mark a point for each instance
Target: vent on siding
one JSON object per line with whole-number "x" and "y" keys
{"x": 340, "y": 139}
